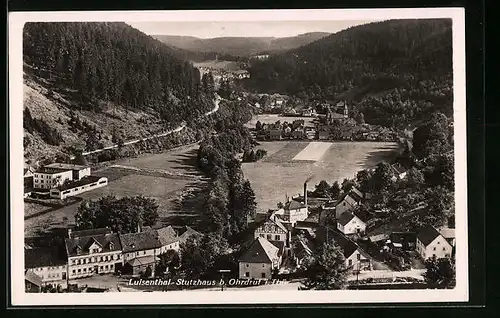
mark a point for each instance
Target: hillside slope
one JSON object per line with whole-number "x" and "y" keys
{"x": 240, "y": 46}
{"x": 413, "y": 56}
{"x": 90, "y": 84}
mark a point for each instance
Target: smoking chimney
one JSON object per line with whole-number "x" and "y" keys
{"x": 305, "y": 194}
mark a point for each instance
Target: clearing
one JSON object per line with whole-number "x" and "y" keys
{"x": 170, "y": 178}
{"x": 314, "y": 151}
{"x": 278, "y": 174}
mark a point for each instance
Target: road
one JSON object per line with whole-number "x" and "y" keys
{"x": 179, "y": 128}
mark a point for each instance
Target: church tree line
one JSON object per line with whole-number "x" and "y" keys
{"x": 113, "y": 62}
{"x": 404, "y": 65}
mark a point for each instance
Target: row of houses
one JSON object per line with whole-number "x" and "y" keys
{"x": 61, "y": 180}
{"x": 100, "y": 251}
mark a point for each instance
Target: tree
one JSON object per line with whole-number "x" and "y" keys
{"x": 432, "y": 137}
{"x": 382, "y": 178}
{"x": 364, "y": 180}
{"x": 258, "y": 125}
{"x": 440, "y": 273}
{"x": 121, "y": 215}
{"x": 414, "y": 178}
{"x": 335, "y": 190}
{"x": 169, "y": 262}
{"x": 322, "y": 189}
{"x": 347, "y": 185}
{"x": 199, "y": 255}
{"x": 327, "y": 270}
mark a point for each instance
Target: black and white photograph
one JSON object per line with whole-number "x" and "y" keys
{"x": 234, "y": 157}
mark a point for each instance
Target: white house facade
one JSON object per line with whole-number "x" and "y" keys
{"x": 430, "y": 243}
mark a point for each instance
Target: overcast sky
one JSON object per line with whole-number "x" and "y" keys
{"x": 243, "y": 29}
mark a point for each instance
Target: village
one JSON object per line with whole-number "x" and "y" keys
{"x": 276, "y": 244}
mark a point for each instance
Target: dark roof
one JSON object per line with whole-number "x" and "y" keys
{"x": 306, "y": 224}
{"x": 345, "y": 218}
{"x": 33, "y": 278}
{"x": 132, "y": 242}
{"x": 261, "y": 251}
{"x": 347, "y": 246}
{"x": 83, "y": 181}
{"x": 294, "y": 205}
{"x": 167, "y": 235}
{"x": 84, "y": 242}
{"x": 427, "y": 235}
{"x": 90, "y": 232}
{"x": 187, "y": 233}
{"x": 44, "y": 256}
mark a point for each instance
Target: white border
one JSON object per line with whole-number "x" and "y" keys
{"x": 19, "y": 297}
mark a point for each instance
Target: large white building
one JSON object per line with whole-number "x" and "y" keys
{"x": 56, "y": 174}
{"x": 260, "y": 260}
{"x": 430, "y": 243}
{"x": 49, "y": 263}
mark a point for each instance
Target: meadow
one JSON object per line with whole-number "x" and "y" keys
{"x": 170, "y": 178}
{"x": 278, "y": 174}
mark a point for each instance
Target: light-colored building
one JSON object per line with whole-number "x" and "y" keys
{"x": 294, "y": 211}
{"x": 273, "y": 230}
{"x": 260, "y": 260}
{"x": 348, "y": 223}
{"x": 355, "y": 257}
{"x": 48, "y": 263}
{"x": 93, "y": 252}
{"x": 78, "y": 171}
{"x": 430, "y": 243}
{"x": 72, "y": 188}
{"x": 448, "y": 234}
{"x": 348, "y": 201}
{"x": 168, "y": 239}
{"x": 140, "y": 250}
{"x": 56, "y": 174}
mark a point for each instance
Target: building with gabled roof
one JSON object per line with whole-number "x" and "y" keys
{"x": 168, "y": 239}
{"x": 294, "y": 211}
{"x": 347, "y": 201}
{"x": 48, "y": 263}
{"x": 399, "y": 171}
{"x": 186, "y": 232}
{"x": 349, "y": 223}
{"x": 93, "y": 252}
{"x": 430, "y": 243}
{"x": 273, "y": 229}
{"x": 32, "y": 282}
{"x": 259, "y": 260}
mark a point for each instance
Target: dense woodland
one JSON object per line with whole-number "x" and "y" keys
{"x": 113, "y": 62}
{"x": 395, "y": 71}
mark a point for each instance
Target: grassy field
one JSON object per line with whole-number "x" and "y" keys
{"x": 178, "y": 196}
{"x": 278, "y": 174}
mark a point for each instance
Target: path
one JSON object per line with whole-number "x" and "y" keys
{"x": 180, "y": 128}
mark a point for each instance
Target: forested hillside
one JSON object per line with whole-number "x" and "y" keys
{"x": 108, "y": 76}
{"x": 240, "y": 46}
{"x": 398, "y": 67}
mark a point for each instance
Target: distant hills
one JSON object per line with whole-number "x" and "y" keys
{"x": 395, "y": 71}
{"x": 240, "y": 46}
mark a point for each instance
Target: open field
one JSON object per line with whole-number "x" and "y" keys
{"x": 271, "y": 118}
{"x": 170, "y": 178}
{"x": 278, "y": 174}
{"x": 314, "y": 151}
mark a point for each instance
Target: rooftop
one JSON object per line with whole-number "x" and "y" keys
{"x": 345, "y": 218}
{"x": 294, "y": 205}
{"x": 143, "y": 260}
{"x": 81, "y": 245}
{"x": 427, "y": 235}
{"x": 261, "y": 251}
{"x": 132, "y": 242}
{"x": 33, "y": 278}
{"x": 167, "y": 235}
{"x": 44, "y": 256}
{"x": 83, "y": 181}
{"x": 90, "y": 232}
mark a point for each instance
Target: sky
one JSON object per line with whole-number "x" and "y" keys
{"x": 243, "y": 29}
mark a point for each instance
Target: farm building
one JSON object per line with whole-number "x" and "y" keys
{"x": 349, "y": 223}
{"x": 72, "y": 188}
{"x": 260, "y": 259}
{"x": 430, "y": 243}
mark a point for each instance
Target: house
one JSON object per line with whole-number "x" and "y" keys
{"x": 323, "y": 134}
{"x": 294, "y": 211}
{"x": 406, "y": 239}
{"x": 48, "y": 178}
{"x": 93, "y": 252}
{"x": 348, "y": 223}
{"x": 430, "y": 243}
{"x": 259, "y": 260}
{"x": 48, "y": 263}
{"x": 168, "y": 239}
{"x": 273, "y": 230}
{"x": 298, "y": 134}
{"x": 32, "y": 282}
{"x": 140, "y": 250}
{"x": 347, "y": 201}
{"x": 28, "y": 172}
{"x": 187, "y": 232}
{"x": 75, "y": 187}
{"x": 399, "y": 171}
{"x": 448, "y": 234}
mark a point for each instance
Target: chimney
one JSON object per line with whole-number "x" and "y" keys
{"x": 69, "y": 232}
{"x": 305, "y": 194}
